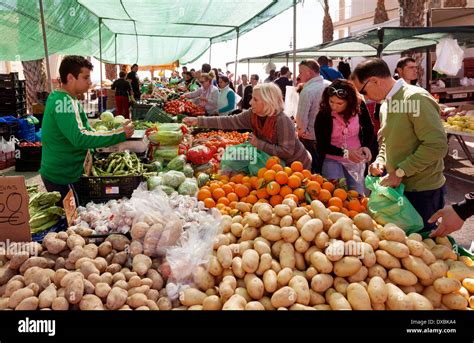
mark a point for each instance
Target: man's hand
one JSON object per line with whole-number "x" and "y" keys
{"x": 377, "y": 168}
{"x": 450, "y": 222}
{"x": 129, "y": 129}
{"x": 391, "y": 180}
{"x": 190, "y": 121}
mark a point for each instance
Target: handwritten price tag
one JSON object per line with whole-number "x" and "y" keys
{"x": 14, "y": 215}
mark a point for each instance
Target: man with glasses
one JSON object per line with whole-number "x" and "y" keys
{"x": 248, "y": 91}
{"x": 308, "y": 105}
{"x": 413, "y": 141}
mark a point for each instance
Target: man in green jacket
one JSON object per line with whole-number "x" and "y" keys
{"x": 413, "y": 140}
{"x": 66, "y": 133}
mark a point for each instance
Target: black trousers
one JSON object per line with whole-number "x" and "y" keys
{"x": 310, "y": 145}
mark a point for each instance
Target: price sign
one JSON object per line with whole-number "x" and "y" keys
{"x": 14, "y": 215}
{"x": 70, "y": 207}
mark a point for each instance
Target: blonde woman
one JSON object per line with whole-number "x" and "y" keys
{"x": 207, "y": 95}
{"x": 272, "y": 130}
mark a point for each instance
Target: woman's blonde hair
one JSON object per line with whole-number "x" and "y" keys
{"x": 207, "y": 76}
{"x": 272, "y": 98}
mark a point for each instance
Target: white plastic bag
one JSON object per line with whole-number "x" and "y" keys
{"x": 449, "y": 57}
{"x": 291, "y": 101}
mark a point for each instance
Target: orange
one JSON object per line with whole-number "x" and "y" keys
{"x": 245, "y": 179}
{"x": 345, "y": 211}
{"x": 248, "y": 185}
{"x": 227, "y": 189}
{"x": 277, "y": 168}
{"x": 299, "y": 192}
{"x": 237, "y": 178}
{"x": 294, "y": 181}
{"x": 293, "y": 197}
{"x": 260, "y": 183}
{"x": 233, "y": 204}
{"x": 203, "y": 194}
{"x": 288, "y": 171}
{"x": 241, "y": 191}
{"x": 272, "y": 161}
{"x": 334, "y": 209}
{"x": 337, "y": 202}
{"x": 243, "y": 199}
{"x": 324, "y": 195}
{"x": 281, "y": 177}
{"x": 285, "y": 190}
{"x": 232, "y": 197}
{"x": 220, "y": 206}
{"x": 340, "y": 193}
{"x": 273, "y": 188}
{"x": 363, "y": 209}
{"x": 224, "y": 201}
{"x": 354, "y": 205}
{"x": 328, "y": 186}
{"x": 313, "y": 188}
{"x": 301, "y": 176}
{"x": 252, "y": 199}
{"x": 209, "y": 203}
{"x": 254, "y": 192}
{"x": 253, "y": 180}
{"x": 269, "y": 175}
{"x": 261, "y": 171}
{"x": 218, "y": 193}
{"x": 364, "y": 202}
{"x": 307, "y": 174}
{"x": 224, "y": 178}
{"x": 214, "y": 186}
{"x": 353, "y": 213}
{"x": 206, "y": 187}
{"x": 297, "y": 166}
{"x": 262, "y": 193}
{"x": 353, "y": 194}
{"x": 263, "y": 200}
{"x": 276, "y": 200}
{"x": 318, "y": 178}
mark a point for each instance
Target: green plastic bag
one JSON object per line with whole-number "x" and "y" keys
{"x": 244, "y": 158}
{"x": 389, "y": 205}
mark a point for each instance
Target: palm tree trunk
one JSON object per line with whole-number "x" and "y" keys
{"x": 455, "y": 3}
{"x": 110, "y": 71}
{"x": 328, "y": 29}
{"x": 35, "y": 80}
{"x": 380, "y": 12}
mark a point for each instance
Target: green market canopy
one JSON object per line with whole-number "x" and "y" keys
{"x": 145, "y": 32}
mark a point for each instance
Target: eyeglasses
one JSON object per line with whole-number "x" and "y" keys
{"x": 362, "y": 90}
{"x": 340, "y": 93}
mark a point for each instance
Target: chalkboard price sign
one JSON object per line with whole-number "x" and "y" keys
{"x": 14, "y": 215}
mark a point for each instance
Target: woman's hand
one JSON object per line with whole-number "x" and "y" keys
{"x": 190, "y": 121}
{"x": 356, "y": 156}
{"x": 253, "y": 139}
{"x": 203, "y": 99}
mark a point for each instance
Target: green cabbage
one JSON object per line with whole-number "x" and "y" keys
{"x": 106, "y": 116}
{"x": 173, "y": 178}
{"x": 154, "y": 182}
{"x": 188, "y": 170}
{"x": 188, "y": 187}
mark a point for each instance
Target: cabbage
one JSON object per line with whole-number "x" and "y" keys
{"x": 173, "y": 178}
{"x": 167, "y": 190}
{"x": 154, "y": 182}
{"x": 188, "y": 187}
{"x": 119, "y": 119}
{"x": 101, "y": 128}
{"x": 106, "y": 116}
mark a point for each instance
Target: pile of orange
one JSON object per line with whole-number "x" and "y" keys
{"x": 273, "y": 184}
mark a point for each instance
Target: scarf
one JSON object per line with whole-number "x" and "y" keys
{"x": 265, "y": 127}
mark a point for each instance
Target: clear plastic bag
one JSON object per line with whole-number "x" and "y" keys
{"x": 449, "y": 57}
{"x": 291, "y": 101}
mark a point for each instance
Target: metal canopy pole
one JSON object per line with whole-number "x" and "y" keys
{"x": 100, "y": 51}
{"x": 45, "y": 42}
{"x": 210, "y": 51}
{"x": 237, "y": 53}
{"x": 116, "y": 50}
{"x": 294, "y": 42}
{"x": 248, "y": 68}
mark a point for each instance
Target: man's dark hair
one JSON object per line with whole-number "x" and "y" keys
{"x": 135, "y": 65}
{"x": 185, "y": 68}
{"x": 284, "y": 70}
{"x": 254, "y": 76}
{"x": 323, "y": 60}
{"x": 224, "y": 78}
{"x": 311, "y": 64}
{"x": 402, "y": 62}
{"x": 192, "y": 70}
{"x": 206, "y": 68}
{"x": 73, "y": 65}
{"x": 122, "y": 74}
{"x": 371, "y": 67}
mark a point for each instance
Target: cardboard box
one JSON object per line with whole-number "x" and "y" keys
{"x": 38, "y": 108}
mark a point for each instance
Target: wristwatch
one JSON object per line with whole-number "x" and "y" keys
{"x": 399, "y": 172}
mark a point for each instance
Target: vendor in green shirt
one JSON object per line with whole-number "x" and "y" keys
{"x": 413, "y": 140}
{"x": 66, "y": 133}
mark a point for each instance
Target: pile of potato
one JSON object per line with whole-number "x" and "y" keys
{"x": 68, "y": 272}
{"x": 296, "y": 258}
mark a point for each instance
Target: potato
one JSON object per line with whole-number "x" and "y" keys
{"x": 368, "y": 256}
{"x": 262, "y": 247}
{"x": 236, "y": 229}
{"x": 298, "y": 212}
{"x": 471, "y": 302}
{"x": 428, "y": 257}
{"x": 42, "y": 277}
{"x": 235, "y": 302}
{"x": 446, "y": 285}
{"x": 265, "y": 264}
{"x": 91, "y": 302}
{"x": 347, "y": 266}
{"x": 212, "y": 303}
{"x": 402, "y": 277}
{"x": 203, "y": 279}
{"x": 377, "y": 290}
{"x": 284, "y": 276}
{"x": 12, "y": 286}
{"x": 454, "y": 301}
{"x": 265, "y": 212}
{"x": 468, "y": 283}
{"x": 397, "y": 299}
{"x": 287, "y": 256}
{"x": 311, "y": 228}
{"x": 396, "y": 249}
{"x": 156, "y": 278}
{"x": 254, "y": 285}
{"x": 47, "y": 296}
{"x": 116, "y": 298}
{"x": 18, "y": 296}
{"x": 164, "y": 304}
{"x": 282, "y": 210}
{"x": 321, "y": 212}
{"x": 321, "y": 262}
{"x": 315, "y": 298}
{"x": 284, "y": 297}
{"x": 237, "y": 269}
{"x": 438, "y": 269}
{"x": 40, "y": 262}
{"x": 364, "y": 222}
{"x": 224, "y": 256}
{"x": 358, "y": 297}
{"x": 242, "y": 247}
{"x": 137, "y": 300}
{"x": 270, "y": 281}
{"x": 153, "y": 295}
{"x": 321, "y": 240}
{"x": 301, "y": 287}
{"x": 441, "y": 252}
{"x": 417, "y": 267}
{"x": 28, "y": 304}
{"x": 386, "y": 260}
{"x": 416, "y": 248}
{"x": 221, "y": 239}
{"x": 286, "y": 221}
{"x": 301, "y": 245}
{"x": 336, "y": 229}
{"x": 370, "y": 238}
{"x": 249, "y": 233}
{"x": 254, "y": 306}
{"x": 289, "y": 234}
{"x": 321, "y": 282}
{"x": 338, "y": 302}
{"x": 250, "y": 261}
{"x": 340, "y": 285}
{"x": 243, "y": 292}
{"x": 227, "y": 287}
{"x": 335, "y": 250}
{"x": 54, "y": 245}
{"x": 276, "y": 248}
{"x": 271, "y": 232}
{"x": 265, "y": 301}
{"x": 391, "y": 232}
{"x": 361, "y": 275}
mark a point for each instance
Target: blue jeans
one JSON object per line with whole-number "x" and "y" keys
{"x": 332, "y": 169}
